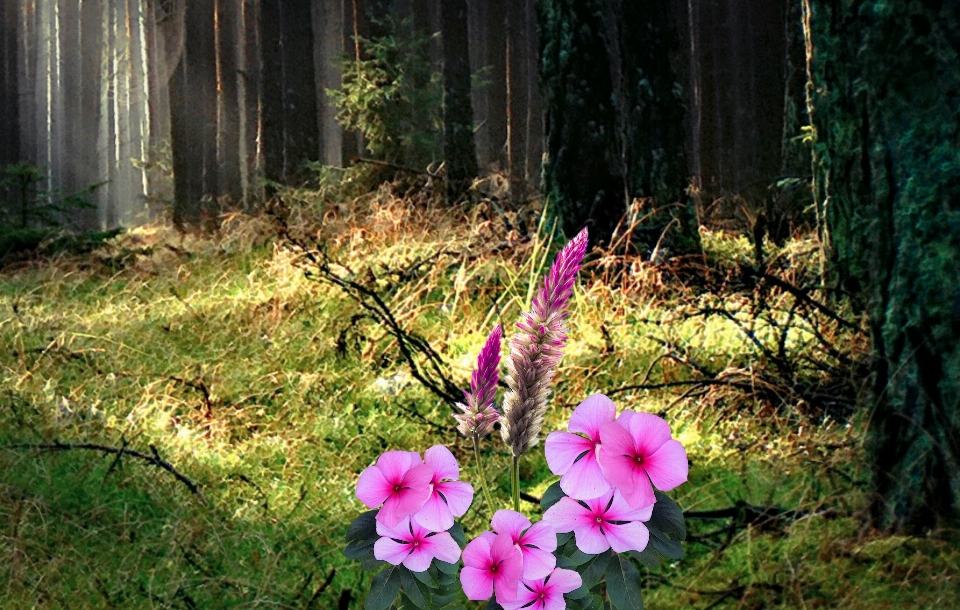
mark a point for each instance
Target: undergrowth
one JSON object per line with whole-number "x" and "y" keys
{"x": 233, "y": 360}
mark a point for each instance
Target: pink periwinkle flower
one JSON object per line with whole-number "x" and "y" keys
{"x": 536, "y": 348}
{"x": 479, "y": 414}
{"x": 449, "y": 497}
{"x": 601, "y": 523}
{"x": 536, "y": 542}
{"x": 414, "y": 546}
{"x": 638, "y": 449}
{"x": 575, "y": 457}
{"x": 491, "y": 567}
{"x": 545, "y": 593}
{"x": 399, "y": 481}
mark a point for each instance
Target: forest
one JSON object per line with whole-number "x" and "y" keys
{"x": 503, "y": 304}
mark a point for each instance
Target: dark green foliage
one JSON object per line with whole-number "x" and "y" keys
{"x": 886, "y": 98}
{"x": 392, "y": 96}
{"x": 614, "y": 117}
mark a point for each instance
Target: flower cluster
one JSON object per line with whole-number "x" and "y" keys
{"x": 602, "y": 515}
{"x": 417, "y": 503}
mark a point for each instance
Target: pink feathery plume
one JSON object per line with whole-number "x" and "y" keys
{"x": 479, "y": 414}
{"x": 536, "y": 348}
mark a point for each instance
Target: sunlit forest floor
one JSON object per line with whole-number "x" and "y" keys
{"x": 265, "y": 390}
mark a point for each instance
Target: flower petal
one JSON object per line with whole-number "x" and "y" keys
{"x": 459, "y": 496}
{"x": 620, "y": 469}
{"x": 584, "y": 480}
{"x": 477, "y": 554}
{"x": 443, "y": 463}
{"x": 509, "y": 522}
{"x": 505, "y": 553}
{"x": 649, "y": 432}
{"x": 631, "y": 536}
{"x": 541, "y": 535}
{"x": 590, "y": 539}
{"x": 434, "y": 515}
{"x": 537, "y": 563}
{"x": 477, "y": 583}
{"x": 391, "y": 551}
{"x": 564, "y": 581}
{"x": 393, "y": 464}
{"x": 592, "y": 413}
{"x": 372, "y": 488}
{"x": 527, "y": 595}
{"x": 443, "y": 547}
{"x": 668, "y": 466}
{"x": 563, "y": 448}
{"x": 566, "y": 515}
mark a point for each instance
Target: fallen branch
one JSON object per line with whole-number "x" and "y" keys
{"x": 153, "y": 458}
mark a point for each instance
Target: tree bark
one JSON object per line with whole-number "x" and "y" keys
{"x": 458, "y": 148}
{"x": 615, "y": 134}
{"x": 9, "y": 85}
{"x": 884, "y": 96}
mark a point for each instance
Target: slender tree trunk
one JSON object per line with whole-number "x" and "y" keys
{"x": 517, "y": 99}
{"x": 614, "y": 134}
{"x": 228, "y": 100}
{"x": 9, "y": 85}
{"x": 458, "y": 149}
{"x": 884, "y": 96}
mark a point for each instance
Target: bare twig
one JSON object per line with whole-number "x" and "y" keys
{"x": 152, "y": 458}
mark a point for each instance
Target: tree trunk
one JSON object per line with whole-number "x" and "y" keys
{"x": 614, "y": 134}
{"x": 884, "y": 96}
{"x": 289, "y": 90}
{"x": 228, "y": 100}
{"x": 9, "y": 85}
{"x": 458, "y": 149}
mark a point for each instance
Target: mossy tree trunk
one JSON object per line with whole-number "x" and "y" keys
{"x": 885, "y": 99}
{"x": 614, "y": 117}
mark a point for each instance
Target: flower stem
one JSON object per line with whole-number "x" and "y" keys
{"x": 483, "y": 479}
{"x": 515, "y": 482}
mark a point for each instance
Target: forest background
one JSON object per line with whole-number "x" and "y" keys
{"x": 773, "y": 190}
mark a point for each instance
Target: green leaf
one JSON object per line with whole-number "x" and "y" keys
{"x": 372, "y": 563}
{"x": 551, "y": 496}
{"x": 564, "y": 538}
{"x": 383, "y": 589}
{"x": 428, "y": 577}
{"x": 493, "y": 605}
{"x": 456, "y": 532}
{"x": 442, "y": 600}
{"x": 418, "y": 592}
{"x": 363, "y": 527}
{"x": 359, "y": 549}
{"x": 623, "y": 584}
{"x": 447, "y": 568}
{"x": 670, "y": 549}
{"x": 592, "y": 571}
{"x": 648, "y": 557}
{"x": 578, "y": 593}
{"x": 668, "y": 518}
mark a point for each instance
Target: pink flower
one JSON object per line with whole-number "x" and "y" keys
{"x": 414, "y": 546}
{"x": 399, "y": 481}
{"x": 575, "y": 457}
{"x": 491, "y": 568}
{"x": 601, "y": 523}
{"x": 479, "y": 415}
{"x": 537, "y": 542}
{"x": 638, "y": 449}
{"x": 545, "y": 593}
{"x": 450, "y": 498}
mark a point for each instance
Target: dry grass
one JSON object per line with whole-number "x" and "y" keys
{"x": 272, "y": 391}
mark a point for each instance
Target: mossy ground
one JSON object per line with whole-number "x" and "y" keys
{"x": 272, "y": 392}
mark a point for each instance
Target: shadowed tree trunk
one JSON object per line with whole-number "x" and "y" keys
{"x": 289, "y": 129}
{"x": 885, "y": 94}
{"x": 228, "y": 100}
{"x": 9, "y": 86}
{"x": 614, "y": 122}
{"x": 458, "y": 149}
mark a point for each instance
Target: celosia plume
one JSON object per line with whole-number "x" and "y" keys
{"x": 479, "y": 414}
{"x": 536, "y": 348}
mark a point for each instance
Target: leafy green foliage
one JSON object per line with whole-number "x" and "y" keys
{"x": 392, "y": 95}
